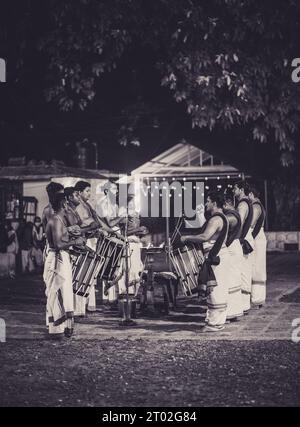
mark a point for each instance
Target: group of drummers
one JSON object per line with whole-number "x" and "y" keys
{"x": 232, "y": 260}
{"x": 225, "y": 256}
{"x": 83, "y": 245}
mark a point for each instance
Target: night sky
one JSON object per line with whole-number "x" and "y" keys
{"x": 32, "y": 127}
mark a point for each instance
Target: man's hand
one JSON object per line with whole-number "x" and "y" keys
{"x": 209, "y": 290}
{"x": 80, "y": 241}
{"x": 133, "y": 239}
{"x": 184, "y": 239}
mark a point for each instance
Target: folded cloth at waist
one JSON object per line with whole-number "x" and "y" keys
{"x": 208, "y": 245}
{"x": 247, "y": 242}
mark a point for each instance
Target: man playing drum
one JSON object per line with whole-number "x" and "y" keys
{"x": 214, "y": 277}
{"x": 58, "y": 271}
{"x": 245, "y": 209}
{"x": 259, "y": 272}
{"x": 89, "y": 218}
{"x": 235, "y": 301}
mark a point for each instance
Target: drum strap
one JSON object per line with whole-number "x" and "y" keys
{"x": 247, "y": 223}
{"x": 247, "y": 248}
{"x": 260, "y": 220}
{"x": 234, "y": 232}
{"x": 207, "y": 278}
{"x": 213, "y": 253}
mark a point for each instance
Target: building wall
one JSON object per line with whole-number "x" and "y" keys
{"x": 37, "y": 189}
{"x": 283, "y": 240}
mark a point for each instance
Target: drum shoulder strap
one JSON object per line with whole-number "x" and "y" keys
{"x": 235, "y": 231}
{"x": 247, "y": 224}
{"x": 260, "y": 220}
{"x": 222, "y": 236}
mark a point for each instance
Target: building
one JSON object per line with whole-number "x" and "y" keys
{"x": 23, "y": 186}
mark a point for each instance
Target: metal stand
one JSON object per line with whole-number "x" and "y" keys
{"x": 127, "y": 321}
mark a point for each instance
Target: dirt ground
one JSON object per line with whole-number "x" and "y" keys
{"x": 163, "y": 362}
{"x": 140, "y": 373}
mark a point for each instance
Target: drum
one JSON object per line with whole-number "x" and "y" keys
{"x": 85, "y": 268}
{"x": 110, "y": 251}
{"x": 187, "y": 262}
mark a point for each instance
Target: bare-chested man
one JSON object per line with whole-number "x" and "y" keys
{"x": 235, "y": 301}
{"x": 58, "y": 271}
{"x": 52, "y": 189}
{"x": 214, "y": 275}
{"x": 259, "y": 273}
{"x": 245, "y": 209}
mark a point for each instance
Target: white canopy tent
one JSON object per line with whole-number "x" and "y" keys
{"x": 186, "y": 160}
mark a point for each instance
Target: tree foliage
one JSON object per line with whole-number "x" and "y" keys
{"x": 228, "y": 61}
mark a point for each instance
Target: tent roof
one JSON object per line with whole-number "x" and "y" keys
{"x": 46, "y": 172}
{"x": 186, "y": 159}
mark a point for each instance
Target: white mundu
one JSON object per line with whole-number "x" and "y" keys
{"x": 247, "y": 267}
{"x": 217, "y": 299}
{"x": 259, "y": 271}
{"x": 59, "y": 291}
{"x": 235, "y": 299}
{"x": 247, "y": 261}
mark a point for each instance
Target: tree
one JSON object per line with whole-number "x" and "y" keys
{"x": 228, "y": 61}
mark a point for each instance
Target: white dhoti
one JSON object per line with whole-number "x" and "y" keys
{"x": 217, "y": 299}
{"x": 247, "y": 267}
{"x": 235, "y": 301}
{"x": 59, "y": 291}
{"x": 135, "y": 267}
{"x": 259, "y": 272}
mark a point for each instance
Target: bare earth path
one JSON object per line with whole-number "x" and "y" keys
{"x": 161, "y": 362}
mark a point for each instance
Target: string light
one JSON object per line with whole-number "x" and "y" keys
{"x": 206, "y": 187}
{"x": 206, "y": 178}
{"x": 218, "y": 177}
{"x": 173, "y": 179}
{"x": 228, "y": 176}
{"x": 184, "y": 179}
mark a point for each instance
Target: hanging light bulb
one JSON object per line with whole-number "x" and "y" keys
{"x": 206, "y": 187}
{"x": 206, "y": 178}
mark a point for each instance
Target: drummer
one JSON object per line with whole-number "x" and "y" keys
{"x": 213, "y": 278}
{"x": 108, "y": 210}
{"x": 58, "y": 272}
{"x": 134, "y": 231}
{"x": 89, "y": 219}
{"x": 52, "y": 189}
{"x": 75, "y": 228}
